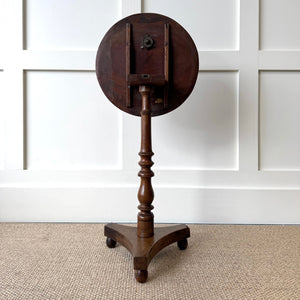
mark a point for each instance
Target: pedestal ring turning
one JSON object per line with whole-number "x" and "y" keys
{"x": 147, "y": 65}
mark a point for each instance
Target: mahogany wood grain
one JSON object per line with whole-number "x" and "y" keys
{"x": 167, "y": 64}
{"x": 144, "y": 241}
{"x": 128, "y": 69}
{"x": 178, "y": 61}
{"x": 146, "y": 65}
{"x": 145, "y": 193}
{"x": 144, "y": 249}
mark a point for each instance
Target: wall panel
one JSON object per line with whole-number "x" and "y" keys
{"x": 212, "y": 24}
{"x": 70, "y": 124}
{"x": 2, "y": 124}
{"x": 59, "y": 24}
{"x": 229, "y": 154}
{"x": 279, "y": 24}
{"x": 2, "y": 30}
{"x": 279, "y": 120}
{"x": 201, "y": 134}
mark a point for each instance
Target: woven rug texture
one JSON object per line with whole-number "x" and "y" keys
{"x": 71, "y": 261}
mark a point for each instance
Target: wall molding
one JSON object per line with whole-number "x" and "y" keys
{"x": 191, "y": 205}
{"x": 245, "y": 195}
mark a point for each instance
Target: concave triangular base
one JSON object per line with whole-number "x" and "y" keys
{"x": 144, "y": 249}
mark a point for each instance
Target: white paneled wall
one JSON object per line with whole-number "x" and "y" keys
{"x": 2, "y": 124}
{"x": 212, "y": 24}
{"x": 206, "y": 138}
{"x": 279, "y": 25}
{"x": 229, "y": 154}
{"x": 61, "y": 25}
{"x": 66, "y": 115}
{"x": 2, "y": 31}
{"x": 279, "y": 120}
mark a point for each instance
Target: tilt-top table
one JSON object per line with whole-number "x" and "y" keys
{"x": 147, "y": 65}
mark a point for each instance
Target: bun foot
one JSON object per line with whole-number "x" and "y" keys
{"x": 110, "y": 243}
{"x": 141, "y": 275}
{"x": 182, "y": 244}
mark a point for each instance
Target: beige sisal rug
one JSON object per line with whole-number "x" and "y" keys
{"x": 71, "y": 261}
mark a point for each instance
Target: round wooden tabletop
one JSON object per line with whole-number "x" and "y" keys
{"x": 149, "y": 47}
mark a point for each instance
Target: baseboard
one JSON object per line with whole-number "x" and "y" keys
{"x": 172, "y": 205}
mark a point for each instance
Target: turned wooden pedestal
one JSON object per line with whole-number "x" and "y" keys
{"x": 144, "y": 241}
{"x": 147, "y": 65}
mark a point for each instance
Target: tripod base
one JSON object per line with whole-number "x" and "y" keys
{"x": 144, "y": 249}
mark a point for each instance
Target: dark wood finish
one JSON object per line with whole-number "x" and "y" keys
{"x": 128, "y": 69}
{"x": 147, "y": 65}
{"x": 154, "y": 80}
{"x": 182, "y": 244}
{"x": 144, "y": 241}
{"x": 145, "y": 193}
{"x": 141, "y": 275}
{"x": 110, "y": 243}
{"x": 174, "y": 55}
{"x": 144, "y": 249}
{"x": 146, "y": 79}
{"x": 166, "y": 64}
